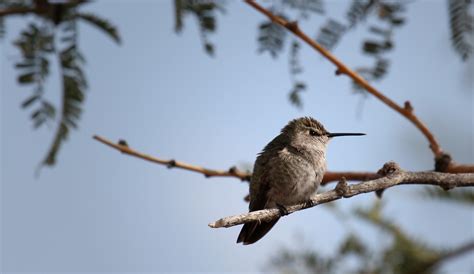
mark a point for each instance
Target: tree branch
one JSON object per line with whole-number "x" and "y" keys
{"x": 123, "y": 147}
{"x": 455, "y": 252}
{"x": 17, "y": 11}
{"x": 38, "y": 7}
{"x": 392, "y": 176}
{"x": 232, "y": 172}
{"x": 406, "y": 110}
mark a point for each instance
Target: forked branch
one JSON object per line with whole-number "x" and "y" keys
{"x": 392, "y": 176}
{"x": 406, "y": 110}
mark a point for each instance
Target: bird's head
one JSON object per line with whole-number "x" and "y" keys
{"x": 309, "y": 134}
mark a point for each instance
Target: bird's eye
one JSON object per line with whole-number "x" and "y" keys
{"x": 313, "y": 133}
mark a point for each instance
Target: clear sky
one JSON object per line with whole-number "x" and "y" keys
{"x": 100, "y": 211}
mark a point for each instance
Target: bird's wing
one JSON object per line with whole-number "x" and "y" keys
{"x": 265, "y": 167}
{"x": 253, "y": 231}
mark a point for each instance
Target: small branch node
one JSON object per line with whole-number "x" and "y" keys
{"x": 442, "y": 162}
{"x": 293, "y": 25}
{"x": 171, "y": 164}
{"x": 341, "y": 187}
{"x": 122, "y": 142}
{"x": 408, "y": 107}
{"x": 389, "y": 168}
{"x": 338, "y": 72}
{"x": 233, "y": 170}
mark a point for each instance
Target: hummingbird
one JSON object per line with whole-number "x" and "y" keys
{"x": 288, "y": 171}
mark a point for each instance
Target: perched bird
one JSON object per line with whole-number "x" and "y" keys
{"x": 288, "y": 171}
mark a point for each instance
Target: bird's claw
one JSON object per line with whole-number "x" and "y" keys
{"x": 309, "y": 203}
{"x": 282, "y": 209}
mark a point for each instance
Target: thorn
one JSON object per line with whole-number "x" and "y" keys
{"x": 338, "y": 72}
{"x": 341, "y": 187}
{"x": 247, "y": 198}
{"x": 233, "y": 170}
{"x": 408, "y": 106}
{"x": 293, "y": 25}
{"x": 379, "y": 193}
{"x": 122, "y": 142}
{"x": 171, "y": 164}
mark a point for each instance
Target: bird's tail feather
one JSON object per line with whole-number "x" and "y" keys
{"x": 254, "y": 231}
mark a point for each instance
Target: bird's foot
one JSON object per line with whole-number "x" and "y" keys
{"x": 309, "y": 203}
{"x": 282, "y": 209}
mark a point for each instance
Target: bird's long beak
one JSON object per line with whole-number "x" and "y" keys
{"x": 330, "y": 135}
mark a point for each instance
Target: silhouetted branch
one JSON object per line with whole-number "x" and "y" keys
{"x": 392, "y": 176}
{"x": 406, "y": 110}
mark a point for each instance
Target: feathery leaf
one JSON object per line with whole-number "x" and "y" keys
{"x": 461, "y": 27}
{"x": 102, "y": 24}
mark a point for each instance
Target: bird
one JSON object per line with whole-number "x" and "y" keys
{"x": 288, "y": 171}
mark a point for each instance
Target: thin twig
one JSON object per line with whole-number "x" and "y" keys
{"x": 406, "y": 110}
{"x": 393, "y": 176}
{"x": 232, "y": 172}
{"x": 123, "y": 147}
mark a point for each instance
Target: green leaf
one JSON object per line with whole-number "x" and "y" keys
{"x": 102, "y": 24}
{"x": 294, "y": 95}
{"x": 359, "y": 10}
{"x": 178, "y": 16}
{"x": 35, "y": 44}
{"x": 28, "y": 63}
{"x": 27, "y": 78}
{"x": 460, "y": 21}
{"x": 2, "y": 27}
{"x": 48, "y": 109}
{"x": 271, "y": 37}
{"x": 330, "y": 33}
{"x": 353, "y": 244}
{"x": 30, "y": 100}
{"x": 204, "y": 11}
{"x": 209, "y": 48}
{"x": 73, "y": 96}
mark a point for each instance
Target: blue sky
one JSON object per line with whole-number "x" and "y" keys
{"x": 100, "y": 211}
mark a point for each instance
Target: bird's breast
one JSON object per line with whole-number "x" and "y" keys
{"x": 297, "y": 178}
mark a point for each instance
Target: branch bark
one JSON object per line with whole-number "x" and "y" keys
{"x": 123, "y": 147}
{"x": 392, "y": 176}
{"x": 407, "y": 110}
{"x": 232, "y": 172}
